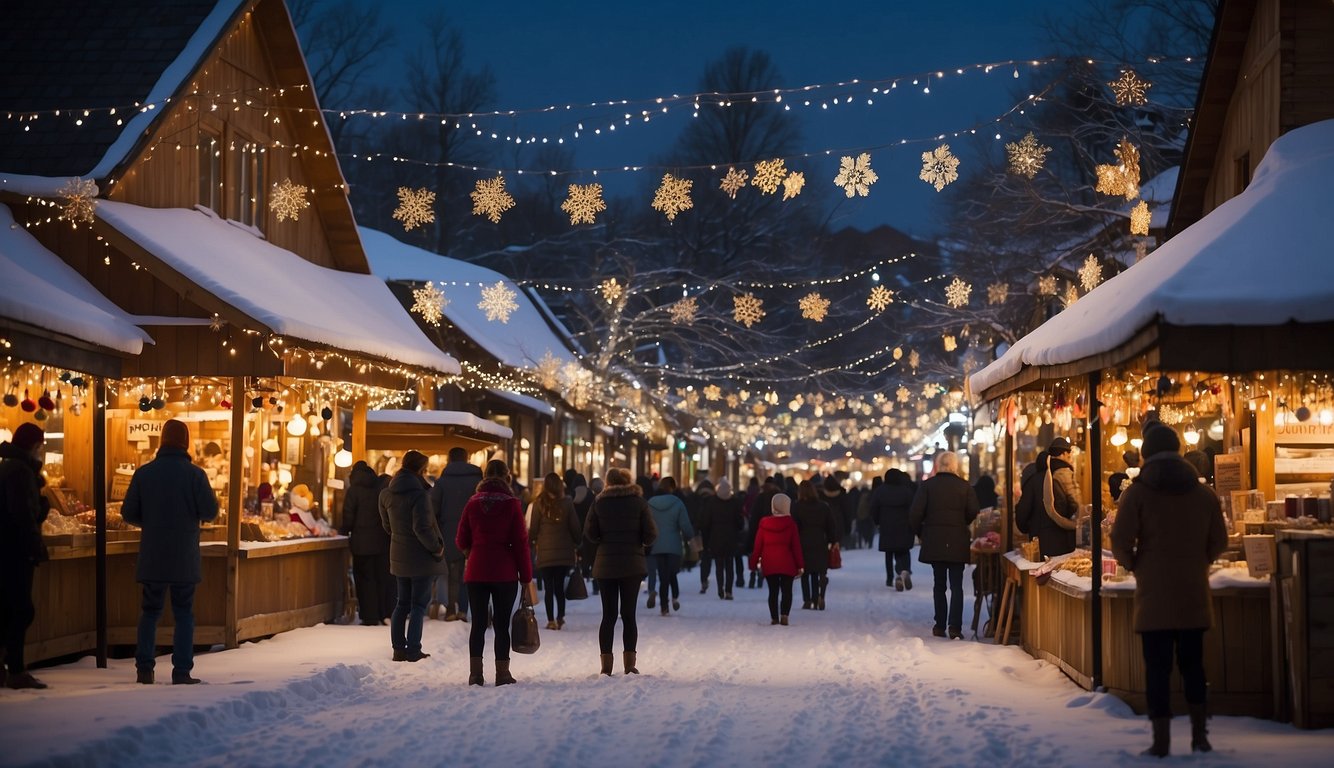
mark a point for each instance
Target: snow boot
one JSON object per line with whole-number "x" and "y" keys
{"x": 144, "y": 676}
{"x": 782, "y": 620}
{"x": 898, "y": 583}
{"x": 652, "y": 600}
{"x": 1162, "y": 737}
{"x": 607, "y": 661}
{"x": 475, "y": 671}
{"x": 434, "y": 611}
{"x": 907, "y": 579}
{"x": 629, "y": 658}
{"x": 503, "y": 676}
{"x": 1199, "y": 734}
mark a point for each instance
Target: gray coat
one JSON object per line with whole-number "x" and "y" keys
{"x": 620, "y": 525}
{"x": 168, "y": 498}
{"x": 457, "y": 483}
{"x": 414, "y": 533}
{"x": 942, "y": 510}
{"x": 555, "y": 539}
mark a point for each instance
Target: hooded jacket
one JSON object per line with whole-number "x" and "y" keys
{"x": 1168, "y": 530}
{"x": 942, "y": 510}
{"x": 361, "y": 513}
{"x": 168, "y": 498}
{"x": 621, "y": 526}
{"x": 818, "y": 530}
{"x": 22, "y": 507}
{"x": 720, "y": 524}
{"x": 492, "y": 533}
{"x": 777, "y": 549}
{"x": 456, "y": 484}
{"x": 673, "y": 524}
{"x": 889, "y": 507}
{"x": 414, "y": 533}
{"x": 555, "y": 538}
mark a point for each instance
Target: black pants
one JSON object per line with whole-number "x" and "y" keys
{"x": 376, "y": 589}
{"x": 724, "y": 573}
{"x": 897, "y": 561}
{"x": 618, "y": 596}
{"x": 553, "y": 589}
{"x": 16, "y": 609}
{"x": 953, "y": 572}
{"x": 1158, "y": 647}
{"x": 705, "y": 564}
{"x": 779, "y": 584}
{"x": 499, "y": 597}
{"x": 813, "y": 585}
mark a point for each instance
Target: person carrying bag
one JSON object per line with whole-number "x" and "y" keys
{"x": 523, "y": 626}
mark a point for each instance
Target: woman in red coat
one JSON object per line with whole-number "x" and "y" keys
{"x": 777, "y": 554}
{"x": 494, "y": 539}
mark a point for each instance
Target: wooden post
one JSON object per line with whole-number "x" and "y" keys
{"x": 99, "y": 416}
{"x": 1094, "y": 433}
{"x": 1009, "y": 475}
{"x": 359, "y": 409}
{"x": 234, "y": 490}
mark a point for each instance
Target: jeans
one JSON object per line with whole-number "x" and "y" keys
{"x": 414, "y": 595}
{"x": 618, "y": 596}
{"x": 183, "y": 614}
{"x": 1158, "y": 647}
{"x": 553, "y": 589}
{"x": 497, "y": 597}
{"x": 16, "y": 609}
{"x": 666, "y": 565}
{"x": 813, "y": 585}
{"x": 953, "y": 572}
{"x": 779, "y": 584}
{"x": 896, "y": 562}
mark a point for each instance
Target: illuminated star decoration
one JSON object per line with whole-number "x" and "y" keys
{"x": 673, "y": 196}
{"x": 1027, "y": 156}
{"x": 902, "y": 394}
{"x": 914, "y": 359}
{"x": 490, "y": 199}
{"x": 746, "y": 309}
{"x": 1129, "y": 89}
{"x": 856, "y": 176}
{"x": 1122, "y": 179}
{"x": 733, "y": 401}
{"x": 611, "y": 290}
{"x": 951, "y": 343}
{"x": 814, "y": 307}
{"x": 768, "y": 175}
{"x": 80, "y": 200}
{"x": 997, "y": 293}
{"x": 414, "y": 207}
{"x": 1139, "y": 219}
{"x": 497, "y": 302}
{"x": 930, "y": 390}
{"x": 1071, "y": 294}
{"x": 1047, "y": 285}
{"x": 734, "y": 181}
{"x": 548, "y": 371}
{"x": 429, "y": 302}
{"x": 939, "y": 167}
{"x": 287, "y": 200}
{"x": 584, "y": 203}
{"x": 957, "y": 292}
{"x": 683, "y": 311}
{"x": 880, "y": 298}
{"x": 216, "y": 323}
{"x": 792, "y": 184}
{"x": 713, "y": 392}
{"x": 1090, "y": 274}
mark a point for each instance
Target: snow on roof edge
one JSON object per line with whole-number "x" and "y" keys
{"x": 447, "y": 418}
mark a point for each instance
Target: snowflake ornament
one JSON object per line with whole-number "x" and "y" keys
{"x": 490, "y": 199}
{"x": 1071, "y": 294}
{"x": 957, "y": 293}
{"x": 814, "y": 307}
{"x": 584, "y": 203}
{"x": 414, "y": 207}
{"x": 792, "y": 184}
{"x": 429, "y": 302}
{"x": 769, "y": 174}
{"x": 1091, "y": 273}
{"x": 1027, "y": 156}
{"x": 951, "y": 343}
{"x": 914, "y": 359}
{"x": 733, "y": 401}
{"x": 1139, "y": 219}
{"x": 1122, "y": 179}
{"x": 930, "y": 390}
{"x": 673, "y": 196}
{"x": 746, "y": 309}
{"x": 683, "y": 311}
{"x": 733, "y": 182}
{"x": 287, "y": 200}
{"x": 902, "y": 394}
{"x": 548, "y": 371}
{"x": 997, "y": 293}
{"x": 856, "y": 176}
{"x": 1047, "y": 285}
{"x": 80, "y": 200}
{"x": 939, "y": 167}
{"x": 880, "y": 298}
{"x": 611, "y": 290}
{"x": 1129, "y": 89}
{"x": 497, "y": 302}
{"x": 713, "y": 392}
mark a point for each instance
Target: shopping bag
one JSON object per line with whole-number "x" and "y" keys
{"x": 835, "y": 558}
{"x": 576, "y": 589}
{"x": 523, "y": 629}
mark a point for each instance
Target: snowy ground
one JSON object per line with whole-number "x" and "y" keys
{"x": 861, "y": 684}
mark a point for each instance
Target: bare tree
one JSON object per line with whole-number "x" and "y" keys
{"x": 343, "y": 42}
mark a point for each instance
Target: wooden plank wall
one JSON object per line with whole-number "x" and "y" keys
{"x": 1307, "y": 94}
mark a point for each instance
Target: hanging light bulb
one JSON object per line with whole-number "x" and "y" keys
{"x": 1119, "y": 437}
{"x": 1192, "y": 436}
{"x": 343, "y": 458}
{"x": 296, "y": 426}
{"x": 270, "y": 445}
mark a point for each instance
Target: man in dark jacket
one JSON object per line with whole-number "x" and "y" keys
{"x": 168, "y": 498}
{"x": 1055, "y": 501}
{"x": 23, "y": 509}
{"x": 720, "y": 526}
{"x": 457, "y": 483}
{"x": 416, "y": 553}
{"x": 369, "y": 544}
{"x": 889, "y": 508}
{"x": 758, "y": 511}
{"x": 941, "y": 512}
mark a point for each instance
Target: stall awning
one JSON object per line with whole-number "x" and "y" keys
{"x": 431, "y": 431}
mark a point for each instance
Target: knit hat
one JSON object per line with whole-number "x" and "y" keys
{"x": 414, "y": 461}
{"x": 1159, "y": 438}
{"x": 1059, "y": 446}
{"x": 724, "y": 490}
{"x": 27, "y": 437}
{"x": 175, "y": 434}
{"x": 781, "y": 505}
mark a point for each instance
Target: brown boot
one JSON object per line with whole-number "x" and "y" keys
{"x": 1162, "y": 737}
{"x": 503, "y": 676}
{"x": 607, "y": 661}
{"x": 434, "y": 611}
{"x": 1199, "y": 734}
{"x": 475, "y": 671}
{"x": 630, "y": 663}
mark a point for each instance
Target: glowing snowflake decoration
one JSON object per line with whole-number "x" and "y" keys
{"x": 746, "y": 309}
{"x": 856, "y": 176}
{"x": 734, "y": 181}
{"x": 713, "y": 392}
{"x": 758, "y": 409}
{"x": 497, "y": 302}
{"x": 1071, "y": 294}
{"x": 1091, "y": 273}
{"x": 930, "y": 390}
{"x": 1139, "y": 219}
{"x": 414, "y": 207}
{"x": 1027, "y": 156}
{"x": 287, "y": 200}
{"x": 80, "y": 200}
{"x": 792, "y": 184}
{"x": 768, "y": 175}
{"x": 880, "y": 298}
{"x": 683, "y": 311}
{"x": 957, "y": 293}
{"x": 611, "y": 290}
{"x": 745, "y": 395}
{"x": 939, "y": 167}
{"x": 490, "y": 199}
{"x": 1121, "y": 179}
{"x": 1129, "y": 89}
{"x": 429, "y": 302}
{"x": 548, "y": 371}
{"x": 914, "y": 359}
{"x": 951, "y": 343}
{"x": 997, "y": 293}
{"x": 1047, "y": 285}
{"x": 216, "y": 324}
{"x": 733, "y": 401}
{"x": 584, "y": 203}
{"x": 898, "y": 353}
{"x": 814, "y": 307}
{"x": 902, "y": 394}
{"x": 673, "y": 196}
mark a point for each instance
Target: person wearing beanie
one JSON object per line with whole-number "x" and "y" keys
{"x": 819, "y": 534}
{"x": 889, "y": 506}
{"x": 674, "y": 532}
{"x": 369, "y": 542}
{"x": 720, "y": 524}
{"x": 777, "y": 555}
{"x": 760, "y": 509}
{"x": 1052, "y": 522}
{"x": 1168, "y": 531}
{"x": 455, "y": 485}
{"x": 621, "y": 525}
{"x": 943, "y": 508}
{"x": 168, "y": 498}
{"x": 23, "y": 509}
{"x": 416, "y": 554}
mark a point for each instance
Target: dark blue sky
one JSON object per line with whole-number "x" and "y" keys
{"x": 546, "y": 53}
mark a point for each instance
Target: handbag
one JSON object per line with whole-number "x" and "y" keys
{"x": 835, "y": 558}
{"x": 523, "y": 628}
{"x": 576, "y": 589}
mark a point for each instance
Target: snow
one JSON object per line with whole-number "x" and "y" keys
{"x": 519, "y": 343}
{"x": 1259, "y": 259}
{"x": 45, "y": 292}
{"x": 454, "y": 418}
{"x": 293, "y": 297}
{"x": 532, "y": 403}
{"x": 861, "y": 684}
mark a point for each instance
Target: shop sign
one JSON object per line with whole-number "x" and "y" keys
{"x": 139, "y": 430}
{"x": 1304, "y": 432}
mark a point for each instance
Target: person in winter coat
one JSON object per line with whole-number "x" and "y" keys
{"x": 777, "y": 554}
{"x": 456, "y": 484}
{"x": 416, "y": 553}
{"x": 695, "y": 502}
{"x": 583, "y": 496}
{"x": 1052, "y": 522}
{"x": 762, "y": 508}
{"x": 1169, "y": 528}
{"x": 492, "y": 535}
{"x": 866, "y": 523}
{"x": 674, "y": 530}
{"x": 555, "y": 533}
{"x": 720, "y": 526}
{"x": 23, "y": 509}
{"x": 833, "y": 494}
{"x": 168, "y": 498}
{"x": 889, "y": 506}
{"x": 941, "y": 512}
{"x": 985, "y": 488}
{"x": 621, "y": 526}
{"x": 369, "y": 543}
{"x": 819, "y": 533}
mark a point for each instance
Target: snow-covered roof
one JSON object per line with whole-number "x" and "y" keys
{"x": 42, "y": 290}
{"x": 443, "y": 418}
{"x": 292, "y": 296}
{"x": 532, "y": 403}
{"x": 1259, "y": 259}
{"x": 519, "y": 343}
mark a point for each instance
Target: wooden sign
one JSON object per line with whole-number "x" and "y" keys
{"x": 1259, "y": 555}
{"x": 1229, "y": 473}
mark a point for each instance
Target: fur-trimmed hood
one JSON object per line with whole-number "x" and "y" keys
{"x": 613, "y": 491}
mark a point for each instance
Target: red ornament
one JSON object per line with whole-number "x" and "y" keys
{"x": 28, "y": 404}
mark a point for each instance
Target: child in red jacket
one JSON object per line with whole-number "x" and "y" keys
{"x": 777, "y": 554}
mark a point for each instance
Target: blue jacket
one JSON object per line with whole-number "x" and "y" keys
{"x": 169, "y": 497}
{"x": 674, "y": 529}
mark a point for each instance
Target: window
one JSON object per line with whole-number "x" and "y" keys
{"x": 210, "y": 171}
{"x": 247, "y": 191}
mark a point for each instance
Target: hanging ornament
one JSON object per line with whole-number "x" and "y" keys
{"x": 145, "y": 404}
{"x": 951, "y": 343}
{"x": 1139, "y": 219}
{"x": 1121, "y": 179}
{"x": 1091, "y": 273}
{"x": 792, "y": 184}
{"x": 880, "y": 298}
{"x": 1027, "y": 156}
{"x": 611, "y": 290}
{"x": 683, "y": 311}
{"x": 1129, "y": 89}
{"x": 713, "y": 392}
{"x": 903, "y": 394}
{"x": 914, "y": 359}
{"x": 216, "y": 323}
{"x": 45, "y": 402}
{"x": 673, "y": 196}
{"x": 898, "y": 353}
{"x": 733, "y": 401}
{"x": 584, "y": 203}
{"x": 490, "y": 199}
{"x": 287, "y": 200}
{"x": 157, "y": 403}
{"x": 746, "y": 309}
{"x": 414, "y": 207}
{"x": 497, "y": 302}
{"x": 548, "y": 371}
{"x": 429, "y": 302}
{"x": 1071, "y": 294}
{"x": 997, "y": 293}
{"x": 939, "y": 167}
{"x": 855, "y": 176}
{"x": 326, "y": 413}
{"x": 957, "y": 292}
{"x": 734, "y": 181}
{"x": 1047, "y": 285}
{"x": 80, "y": 202}
{"x": 40, "y": 415}
{"x": 930, "y": 390}
{"x": 814, "y": 307}
{"x": 769, "y": 174}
